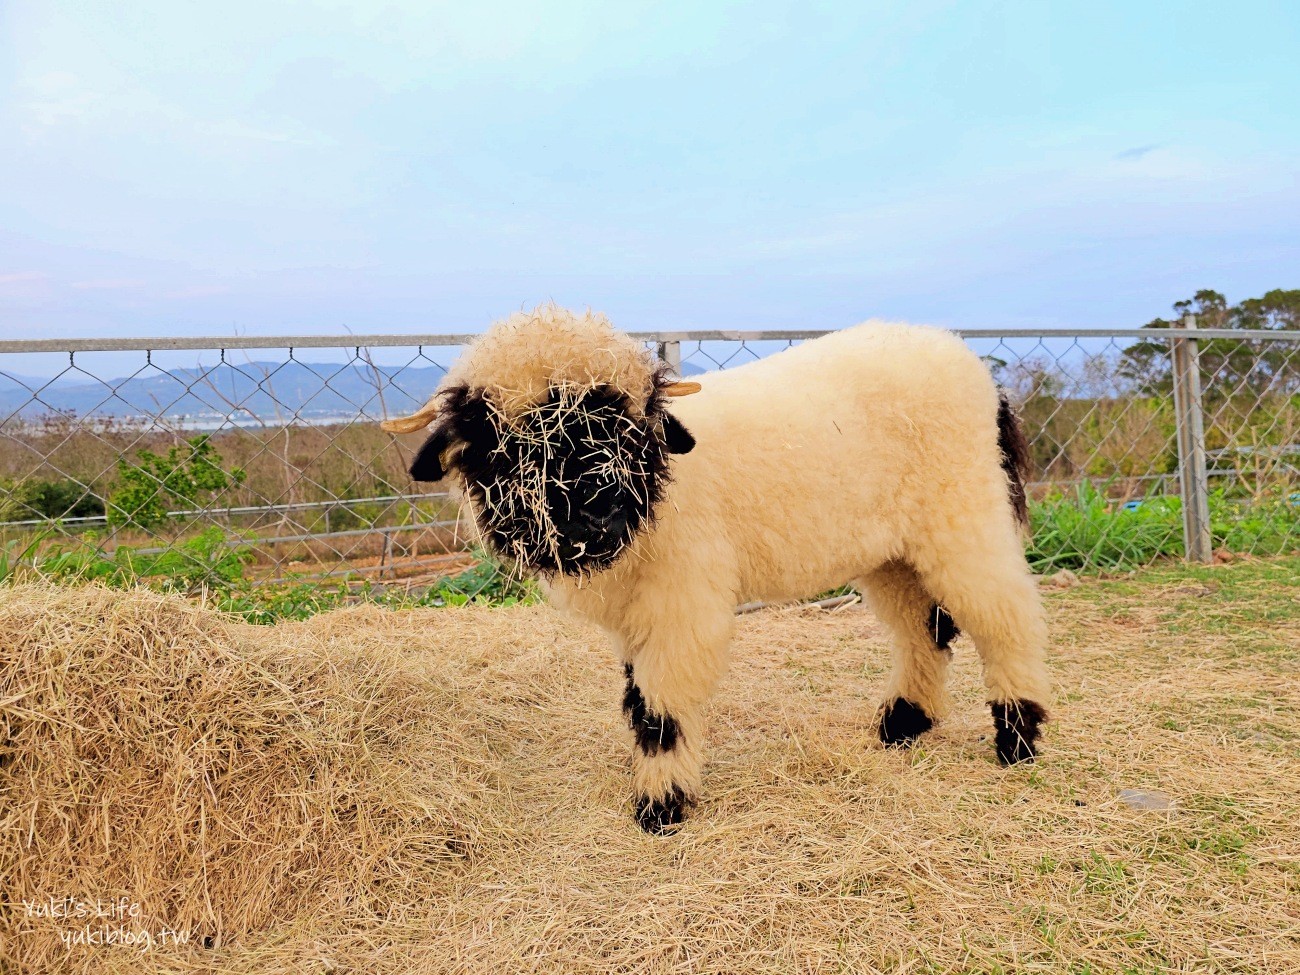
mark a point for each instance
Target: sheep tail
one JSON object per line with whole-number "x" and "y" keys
{"x": 1015, "y": 457}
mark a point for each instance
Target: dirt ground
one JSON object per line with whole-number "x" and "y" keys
{"x": 1159, "y": 832}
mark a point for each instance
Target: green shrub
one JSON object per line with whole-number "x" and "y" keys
{"x": 154, "y": 485}
{"x": 1085, "y": 529}
{"x": 22, "y": 500}
{"x": 203, "y": 563}
{"x": 487, "y": 581}
{"x": 63, "y": 499}
{"x": 1268, "y": 526}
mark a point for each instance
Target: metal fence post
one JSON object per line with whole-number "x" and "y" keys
{"x": 1190, "y": 420}
{"x": 670, "y": 353}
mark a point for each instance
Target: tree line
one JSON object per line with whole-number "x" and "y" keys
{"x": 1228, "y": 366}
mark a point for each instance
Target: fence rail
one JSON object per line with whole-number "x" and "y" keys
{"x": 416, "y": 340}
{"x": 1146, "y": 443}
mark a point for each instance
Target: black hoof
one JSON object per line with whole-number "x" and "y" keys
{"x": 659, "y": 816}
{"x": 902, "y": 722}
{"x": 1017, "y": 730}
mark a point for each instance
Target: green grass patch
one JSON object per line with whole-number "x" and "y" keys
{"x": 208, "y": 566}
{"x": 1086, "y": 530}
{"x": 1217, "y": 597}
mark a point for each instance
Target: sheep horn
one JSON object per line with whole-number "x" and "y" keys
{"x": 680, "y": 389}
{"x": 416, "y": 421}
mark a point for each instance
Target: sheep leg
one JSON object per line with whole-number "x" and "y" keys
{"x": 920, "y": 631}
{"x": 668, "y": 685}
{"x": 987, "y": 587}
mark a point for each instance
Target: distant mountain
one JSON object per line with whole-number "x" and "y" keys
{"x": 271, "y": 392}
{"x": 16, "y": 381}
{"x": 240, "y": 393}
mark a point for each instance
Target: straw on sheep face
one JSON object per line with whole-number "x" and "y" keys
{"x": 563, "y": 486}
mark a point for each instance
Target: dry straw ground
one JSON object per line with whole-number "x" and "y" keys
{"x": 445, "y": 791}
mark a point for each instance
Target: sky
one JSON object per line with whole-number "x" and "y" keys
{"x": 280, "y": 167}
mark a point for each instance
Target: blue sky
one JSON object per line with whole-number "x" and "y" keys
{"x": 271, "y": 167}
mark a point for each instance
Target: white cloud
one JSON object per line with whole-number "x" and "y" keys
{"x": 25, "y": 285}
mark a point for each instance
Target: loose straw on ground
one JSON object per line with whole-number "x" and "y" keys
{"x": 443, "y": 791}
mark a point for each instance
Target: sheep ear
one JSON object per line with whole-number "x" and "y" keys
{"x": 427, "y": 465}
{"x": 677, "y": 438}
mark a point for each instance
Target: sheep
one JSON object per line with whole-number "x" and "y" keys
{"x": 881, "y": 455}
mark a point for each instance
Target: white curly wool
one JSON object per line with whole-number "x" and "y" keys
{"x": 522, "y": 358}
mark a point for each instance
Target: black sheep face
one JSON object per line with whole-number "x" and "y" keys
{"x": 564, "y": 487}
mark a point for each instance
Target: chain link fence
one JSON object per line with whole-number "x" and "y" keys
{"x": 211, "y": 462}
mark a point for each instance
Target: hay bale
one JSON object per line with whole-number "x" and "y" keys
{"x": 221, "y": 778}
